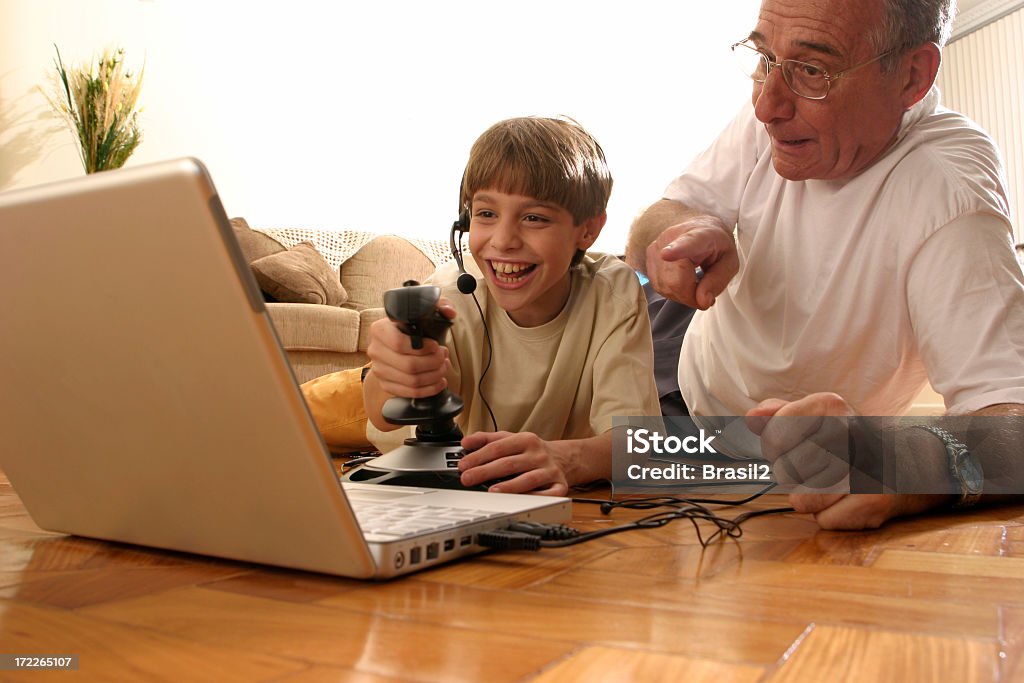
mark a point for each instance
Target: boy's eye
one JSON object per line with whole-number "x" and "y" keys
{"x": 485, "y": 213}
{"x": 535, "y": 218}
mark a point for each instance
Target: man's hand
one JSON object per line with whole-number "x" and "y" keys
{"x": 806, "y": 447}
{"x": 863, "y": 510}
{"x": 526, "y": 462}
{"x": 806, "y": 442}
{"x": 669, "y": 240}
{"x": 671, "y": 259}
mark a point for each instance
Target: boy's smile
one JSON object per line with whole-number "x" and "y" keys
{"x": 512, "y": 274}
{"x": 524, "y": 247}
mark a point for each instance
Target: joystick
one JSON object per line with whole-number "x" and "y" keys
{"x": 431, "y": 458}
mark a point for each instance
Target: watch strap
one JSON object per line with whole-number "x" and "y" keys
{"x": 958, "y": 457}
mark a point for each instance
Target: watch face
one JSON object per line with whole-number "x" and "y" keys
{"x": 970, "y": 474}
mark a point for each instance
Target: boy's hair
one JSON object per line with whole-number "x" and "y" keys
{"x": 553, "y": 160}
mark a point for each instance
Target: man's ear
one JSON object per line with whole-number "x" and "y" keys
{"x": 921, "y": 65}
{"x": 591, "y": 230}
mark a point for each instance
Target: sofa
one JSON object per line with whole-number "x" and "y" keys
{"x": 325, "y": 288}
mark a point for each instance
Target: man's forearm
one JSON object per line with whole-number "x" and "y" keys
{"x": 994, "y": 436}
{"x": 646, "y": 228}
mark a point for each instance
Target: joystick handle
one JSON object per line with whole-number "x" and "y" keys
{"x": 413, "y": 307}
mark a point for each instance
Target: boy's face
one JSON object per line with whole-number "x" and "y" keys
{"x": 523, "y": 247}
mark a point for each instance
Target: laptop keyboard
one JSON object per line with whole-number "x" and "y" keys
{"x": 400, "y": 520}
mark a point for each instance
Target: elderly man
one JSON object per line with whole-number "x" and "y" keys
{"x": 854, "y": 241}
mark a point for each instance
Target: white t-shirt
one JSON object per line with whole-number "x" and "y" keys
{"x": 866, "y": 287}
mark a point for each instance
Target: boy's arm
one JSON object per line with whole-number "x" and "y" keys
{"x": 374, "y": 398}
{"x": 585, "y": 460}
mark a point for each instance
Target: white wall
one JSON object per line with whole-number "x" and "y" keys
{"x": 361, "y": 115}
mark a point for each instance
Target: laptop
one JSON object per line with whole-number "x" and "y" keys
{"x": 145, "y": 397}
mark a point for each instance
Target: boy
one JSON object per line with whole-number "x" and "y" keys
{"x": 570, "y": 334}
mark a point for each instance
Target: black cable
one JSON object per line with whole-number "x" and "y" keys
{"x": 607, "y": 505}
{"x": 490, "y": 355}
{"x": 517, "y": 536}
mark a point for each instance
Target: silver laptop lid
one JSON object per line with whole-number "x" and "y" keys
{"x": 144, "y": 396}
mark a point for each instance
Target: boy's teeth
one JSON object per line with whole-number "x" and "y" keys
{"x": 508, "y": 267}
{"x": 511, "y": 272}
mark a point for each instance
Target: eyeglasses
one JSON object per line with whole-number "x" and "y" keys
{"x": 806, "y": 80}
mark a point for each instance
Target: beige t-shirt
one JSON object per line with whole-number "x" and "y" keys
{"x": 565, "y": 379}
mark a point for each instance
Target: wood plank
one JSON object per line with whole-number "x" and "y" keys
{"x": 1014, "y": 539}
{"x": 830, "y": 653}
{"x": 612, "y": 665}
{"x": 954, "y": 565}
{"x": 113, "y": 652}
{"x": 96, "y": 586}
{"x": 336, "y": 637}
{"x": 789, "y": 603}
{"x": 1012, "y": 645}
{"x": 877, "y": 581}
{"x": 590, "y": 615}
{"x": 282, "y": 584}
{"x": 327, "y": 674}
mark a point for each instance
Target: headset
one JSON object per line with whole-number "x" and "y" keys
{"x": 466, "y": 282}
{"x": 467, "y": 285}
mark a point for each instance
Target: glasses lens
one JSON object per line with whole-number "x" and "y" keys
{"x": 751, "y": 62}
{"x": 806, "y": 80}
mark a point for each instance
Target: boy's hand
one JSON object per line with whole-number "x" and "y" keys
{"x": 401, "y": 370}
{"x": 503, "y": 455}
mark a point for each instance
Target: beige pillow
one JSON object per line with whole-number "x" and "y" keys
{"x": 381, "y": 264}
{"x": 299, "y": 275}
{"x": 254, "y": 244}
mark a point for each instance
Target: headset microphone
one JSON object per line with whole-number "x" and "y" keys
{"x": 467, "y": 285}
{"x": 466, "y": 282}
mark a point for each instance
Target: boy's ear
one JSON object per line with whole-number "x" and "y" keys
{"x": 591, "y": 230}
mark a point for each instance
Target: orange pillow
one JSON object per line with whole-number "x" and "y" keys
{"x": 336, "y": 403}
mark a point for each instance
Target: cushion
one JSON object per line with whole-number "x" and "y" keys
{"x": 336, "y": 403}
{"x": 299, "y": 275}
{"x": 382, "y": 264}
{"x": 254, "y": 245}
{"x": 311, "y": 327}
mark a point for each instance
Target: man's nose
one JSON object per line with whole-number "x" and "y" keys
{"x": 773, "y": 99}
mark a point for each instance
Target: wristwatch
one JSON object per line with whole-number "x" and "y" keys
{"x": 963, "y": 465}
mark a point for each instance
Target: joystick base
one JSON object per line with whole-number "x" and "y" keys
{"x": 431, "y": 465}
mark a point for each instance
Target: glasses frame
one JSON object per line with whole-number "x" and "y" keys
{"x": 770, "y": 66}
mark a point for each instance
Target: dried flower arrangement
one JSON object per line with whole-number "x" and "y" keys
{"x": 98, "y": 103}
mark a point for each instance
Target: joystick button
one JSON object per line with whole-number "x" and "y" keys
{"x": 453, "y": 455}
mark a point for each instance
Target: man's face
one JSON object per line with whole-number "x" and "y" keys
{"x": 840, "y": 136}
